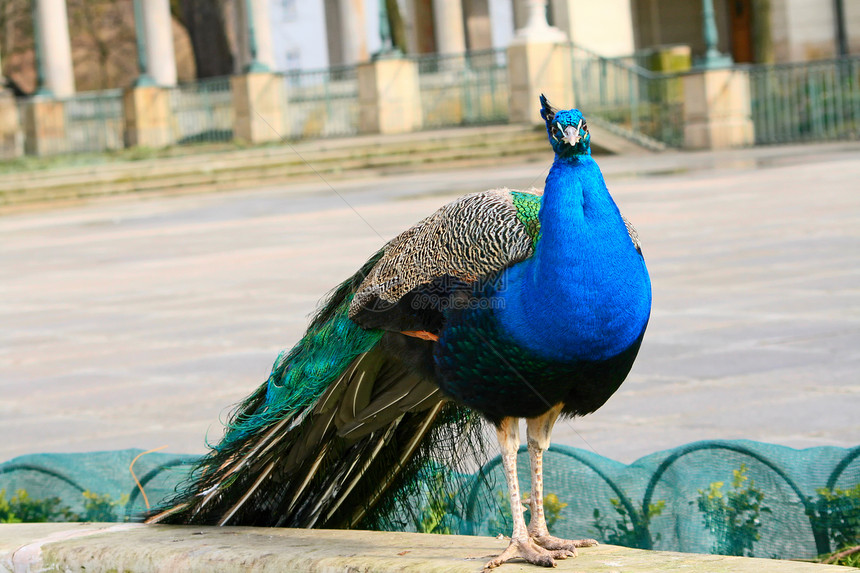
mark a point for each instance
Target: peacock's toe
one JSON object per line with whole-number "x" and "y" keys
{"x": 529, "y": 551}
{"x": 551, "y": 543}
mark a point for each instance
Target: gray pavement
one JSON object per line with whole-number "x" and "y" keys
{"x": 137, "y": 321}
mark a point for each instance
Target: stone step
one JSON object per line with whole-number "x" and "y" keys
{"x": 137, "y": 548}
{"x": 358, "y": 146}
{"x": 236, "y": 168}
{"x": 270, "y": 165}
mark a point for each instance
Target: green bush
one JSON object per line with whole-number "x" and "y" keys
{"x": 628, "y": 530}
{"x": 734, "y": 518}
{"x": 837, "y": 511}
{"x": 21, "y": 508}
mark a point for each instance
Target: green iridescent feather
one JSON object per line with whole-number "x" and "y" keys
{"x": 528, "y": 207}
{"x": 300, "y": 376}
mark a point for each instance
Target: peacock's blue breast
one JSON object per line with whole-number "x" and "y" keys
{"x": 483, "y": 367}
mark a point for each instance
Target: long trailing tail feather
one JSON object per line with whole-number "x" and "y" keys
{"x": 341, "y": 435}
{"x": 274, "y": 412}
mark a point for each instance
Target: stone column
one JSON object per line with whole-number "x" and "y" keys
{"x": 605, "y": 27}
{"x": 520, "y": 11}
{"x": 478, "y": 26}
{"x": 448, "y": 26}
{"x": 55, "y": 52}
{"x": 537, "y": 29}
{"x": 407, "y": 13}
{"x": 353, "y": 31}
{"x": 259, "y": 105}
{"x": 717, "y": 109}
{"x": 389, "y": 97}
{"x": 539, "y": 62}
{"x": 158, "y": 31}
{"x": 254, "y": 36}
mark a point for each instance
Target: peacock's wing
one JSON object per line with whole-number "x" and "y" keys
{"x": 467, "y": 240}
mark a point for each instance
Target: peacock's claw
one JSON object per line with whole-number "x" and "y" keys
{"x": 531, "y": 552}
{"x": 556, "y": 543}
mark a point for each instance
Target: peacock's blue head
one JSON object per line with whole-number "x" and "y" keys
{"x": 568, "y": 133}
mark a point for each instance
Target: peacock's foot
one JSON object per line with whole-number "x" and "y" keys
{"x": 531, "y": 552}
{"x": 553, "y": 543}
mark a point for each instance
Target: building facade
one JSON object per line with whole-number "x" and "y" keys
{"x": 315, "y": 34}
{"x": 335, "y": 32}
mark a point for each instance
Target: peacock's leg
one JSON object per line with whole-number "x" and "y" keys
{"x": 521, "y": 544}
{"x": 538, "y": 431}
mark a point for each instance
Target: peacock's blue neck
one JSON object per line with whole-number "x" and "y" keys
{"x": 585, "y": 293}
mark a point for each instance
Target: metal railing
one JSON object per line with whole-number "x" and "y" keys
{"x": 642, "y": 105}
{"x": 463, "y": 89}
{"x": 88, "y": 122}
{"x": 810, "y": 101}
{"x": 202, "y": 111}
{"x": 94, "y": 121}
{"x": 322, "y": 103}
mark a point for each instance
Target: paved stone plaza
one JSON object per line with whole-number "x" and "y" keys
{"x": 136, "y": 322}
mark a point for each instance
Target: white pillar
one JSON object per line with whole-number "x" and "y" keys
{"x": 605, "y": 27}
{"x": 538, "y": 63}
{"x": 537, "y": 29}
{"x": 448, "y": 26}
{"x": 262, "y": 34}
{"x": 158, "y": 34}
{"x": 353, "y": 31}
{"x": 54, "y": 47}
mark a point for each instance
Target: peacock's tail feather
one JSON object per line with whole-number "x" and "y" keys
{"x": 300, "y": 376}
{"x": 340, "y": 435}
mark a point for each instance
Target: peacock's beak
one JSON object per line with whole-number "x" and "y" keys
{"x": 572, "y": 134}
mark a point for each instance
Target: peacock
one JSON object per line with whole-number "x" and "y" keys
{"x": 501, "y": 305}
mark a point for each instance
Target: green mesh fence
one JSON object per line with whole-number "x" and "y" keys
{"x": 731, "y": 497}
{"x": 106, "y": 474}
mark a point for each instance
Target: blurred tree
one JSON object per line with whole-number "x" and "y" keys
{"x": 16, "y": 45}
{"x": 103, "y": 43}
{"x": 104, "y": 51}
{"x": 206, "y": 23}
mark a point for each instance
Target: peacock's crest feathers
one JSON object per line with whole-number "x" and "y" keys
{"x": 567, "y": 130}
{"x": 547, "y": 111}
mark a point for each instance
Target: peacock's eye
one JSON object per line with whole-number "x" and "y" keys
{"x": 554, "y": 131}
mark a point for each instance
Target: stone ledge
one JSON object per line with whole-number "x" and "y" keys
{"x": 97, "y": 548}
